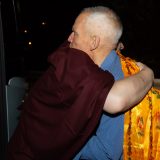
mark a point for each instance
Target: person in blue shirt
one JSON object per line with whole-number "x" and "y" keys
{"x": 107, "y": 141}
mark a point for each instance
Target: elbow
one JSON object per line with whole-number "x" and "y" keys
{"x": 122, "y": 104}
{"x": 118, "y": 105}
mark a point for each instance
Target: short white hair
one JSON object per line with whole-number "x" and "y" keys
{"x": 104, "y": 22}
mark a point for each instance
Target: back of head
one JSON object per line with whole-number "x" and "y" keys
{"x": 104, "y": 22}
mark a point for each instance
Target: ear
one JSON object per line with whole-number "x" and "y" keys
{"x": 95, "y": 40}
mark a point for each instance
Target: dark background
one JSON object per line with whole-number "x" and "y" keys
{"x": 140, "y": 19}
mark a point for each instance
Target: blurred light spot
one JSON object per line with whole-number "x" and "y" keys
{"x": 25, "y": 31}
{"x": 43, "y": 23}
{"x": 30, "y": 43}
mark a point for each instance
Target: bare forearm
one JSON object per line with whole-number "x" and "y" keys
{"x": 134, "y": 88}
{"x": 128, "y": 92}
{"x": 141, "y": 86}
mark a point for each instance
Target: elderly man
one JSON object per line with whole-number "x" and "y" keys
{"x": 110, "y": 137}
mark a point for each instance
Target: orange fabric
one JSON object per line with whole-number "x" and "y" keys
{"x": 142, "y": 123}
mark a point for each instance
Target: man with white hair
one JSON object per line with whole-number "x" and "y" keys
{"x": 105, "y": 26}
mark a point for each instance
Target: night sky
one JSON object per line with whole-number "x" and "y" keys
{"x": 48, "y": 23}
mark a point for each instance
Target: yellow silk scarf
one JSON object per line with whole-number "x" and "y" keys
{"x": 142, "y": 123}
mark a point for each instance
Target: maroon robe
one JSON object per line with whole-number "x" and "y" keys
{"x": 62, "y": 109}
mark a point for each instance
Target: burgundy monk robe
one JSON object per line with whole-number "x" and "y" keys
{"x": 63, "y": 107}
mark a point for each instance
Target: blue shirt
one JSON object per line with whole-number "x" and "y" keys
{"x": 107, "y": 143}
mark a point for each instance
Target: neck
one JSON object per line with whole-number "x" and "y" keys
{"x": 102, "y": 52}
{"x": 100, "y": 55}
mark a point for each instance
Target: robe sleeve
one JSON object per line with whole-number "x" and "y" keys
{"x": 63, "y": 108}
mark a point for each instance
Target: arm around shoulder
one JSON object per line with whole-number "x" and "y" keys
{"x": 129, "y": 91}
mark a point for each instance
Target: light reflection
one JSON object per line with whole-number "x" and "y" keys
{"x": 29, "y": 43}
{"x": 43, "y": 23}
{"x": 25, "y": 31}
